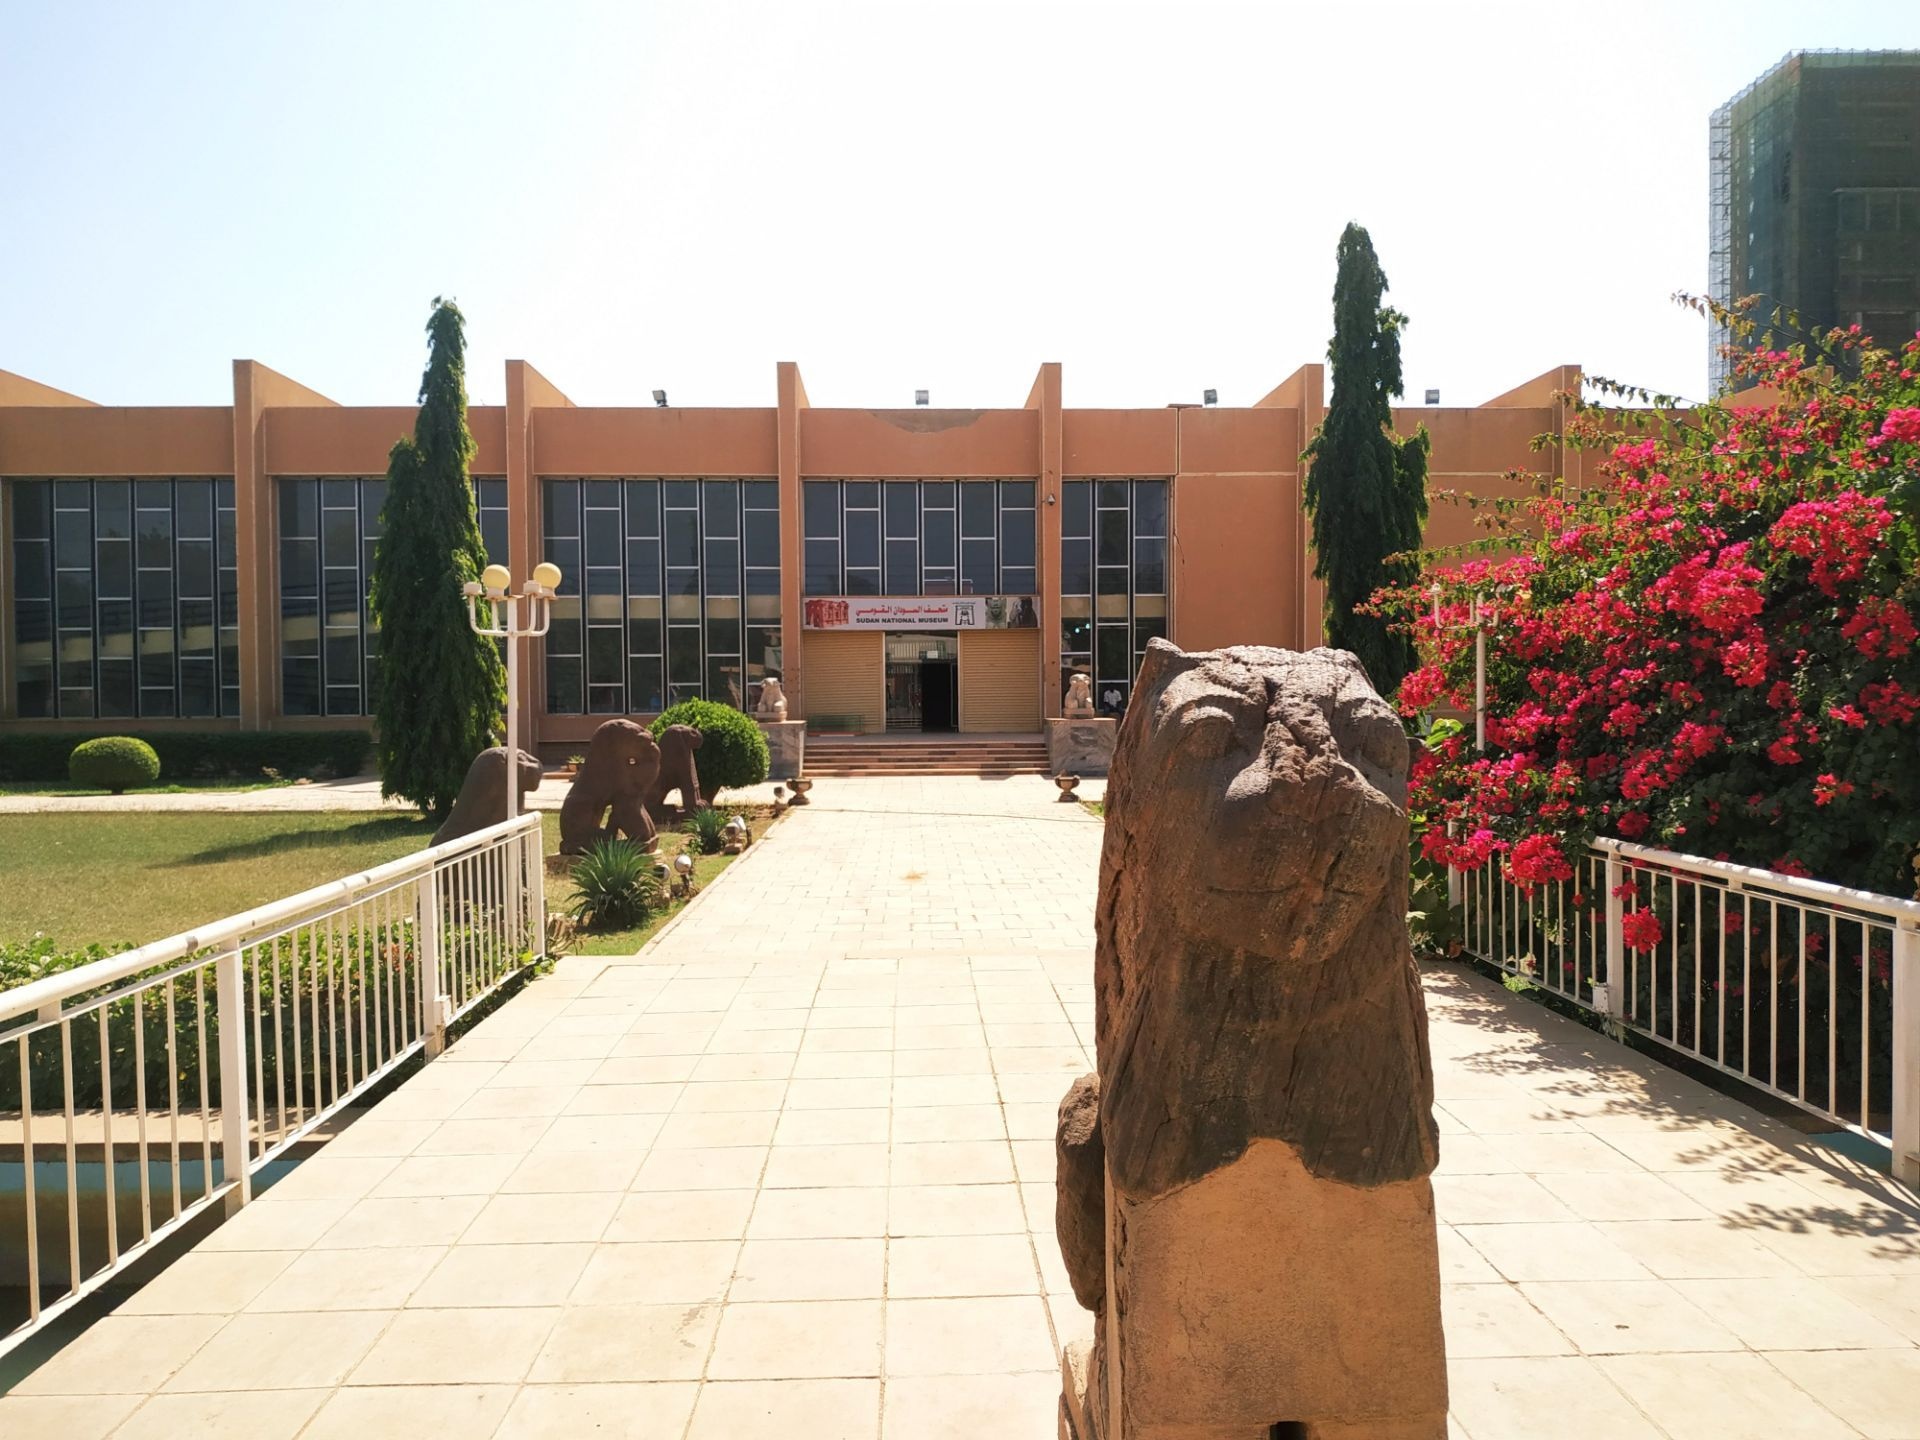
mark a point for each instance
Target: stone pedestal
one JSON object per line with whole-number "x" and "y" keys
{"x": 1081, "y": 747}
{"x": 786, "y": 747}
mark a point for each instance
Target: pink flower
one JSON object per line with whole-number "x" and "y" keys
{"x": 1902, "y": 425}
{"x": 1642, "y": 929}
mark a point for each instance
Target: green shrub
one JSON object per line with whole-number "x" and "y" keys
{"x": 614, "y": 886}
{"x": 733, "y": 751}
{"x": 113, "y": 762}
{"x": 708, "y": 828}
{"x": 203, "y": 755}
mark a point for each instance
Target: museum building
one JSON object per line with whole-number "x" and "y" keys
{"x": 915, "y": 570}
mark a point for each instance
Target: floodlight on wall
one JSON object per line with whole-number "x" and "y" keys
{"x": 1209, "y": 397}
{"x": 919, "y": 397}
{"x": 660, "y": 398}
{"x": 1433, "y": 397}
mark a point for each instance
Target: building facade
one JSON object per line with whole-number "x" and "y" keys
{"x": 902, "y": 570}
{"x": 1814, "y": 195}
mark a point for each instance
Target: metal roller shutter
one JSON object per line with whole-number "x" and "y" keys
{"x": 844, "y": 674}
{"x": 1000, "y": 681}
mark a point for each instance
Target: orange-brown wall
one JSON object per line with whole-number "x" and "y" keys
{"x": 313, "y": 440}
{"x": 919, "y": 442}
{"x": 1121, "y": 442}
{"x": 116, "y": 440}
{"x": 656, "y": 441}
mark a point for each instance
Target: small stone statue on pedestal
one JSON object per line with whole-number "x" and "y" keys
{"x": 773, "y": 700}
{"x": 1079, "y": 704}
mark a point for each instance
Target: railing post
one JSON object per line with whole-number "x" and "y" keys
{"x": 426, "y": 959}
{"x": 536, "y": 889}
{"x": 1608, "y": 994}
{"x": 230, "y": 994}
{"x": 1906, "y": 1055}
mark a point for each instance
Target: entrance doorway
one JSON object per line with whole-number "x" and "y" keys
{"x": 923, "y": 682}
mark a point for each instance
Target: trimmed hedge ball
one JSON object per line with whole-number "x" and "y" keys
{"x": 733, "y": 751}
{"x": 118, "y": 763}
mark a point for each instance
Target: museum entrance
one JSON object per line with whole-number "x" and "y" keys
{"x": 923, "y": 683}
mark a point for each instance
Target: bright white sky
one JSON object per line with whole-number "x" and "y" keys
{"x": 896, "y": 196}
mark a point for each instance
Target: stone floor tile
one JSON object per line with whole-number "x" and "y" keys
{"x": 935, "y": 1266}
{"x": 542, "y": 1219}
{"x": 623, "y": 1100}
{"x": 737, "y": 1066}
{"x": 457, "y": 1347}
{"x": 377, "y": 1224}
{"x": 1695, "y": 1250}
{"x": 1789, "y": 1314}
{"x": 1826, "y": 1239}
{"x": 969, "y": 1407}
{"x": 978, "y": 1089}
{"x": 378, "y": 1136}
{"x": 934, "y": 1064}
{"x": 680, "y": 1215}
{"x": 1894, "y": 1300}
{"x": 1567, "y": 1397}
{"x": 1570, "y": 1251}
{"x": 830, "y": 1214}
{"x": 723, "y": 1168}
{"x": 375, "y": 1412}
{"x": 1623, "y": 1197}
{"x": 729, "y": 1096}
{"x": 1875, "y": 1391}
{"x": 328, "y": 1176}
{"x": 473, "y": 1275}
{"x": 1608, "y": 1317}
{"x": 864, "y": 1126}
{"x": 997, "y": 1336}
{"x": 284, "y": 1225}
{"x": 952, "y": 1162}
{"x": 788, "y": 1339}
{"x": 1034, "y": 1089}
{"x": 704, "y": 1131}
{"x": 958, "y": 1210}
{"x": 659, "y": 1273}
{"x": 349, "y": 1280}
{"x": 647, "y": 1069}
{"x": 656, "y": 1411}
{"x": 1495, "y": 1199}
{"x": 601, "y": 1343}
{"x": 625, "y": 1134}
{"x": 208, "y": 1283}
{"x": 844, "y": 1065}
{"x": 572, "y": 1172}
{"x": 1484, "y": 1321}
{"x": 810, "y": 1166}
{"x": 787, "y": 1410}
{"x": 519, "y": 1103}
{"x": 843, "y": 1094}
{"x": 430, "y": 1176}
{"x": 1731, "y": 1397}
{"x": 505, "y": 1136}
{"x": 122, "y": 1355}
{"x": 63, "y": 1417}
{"x": 300, "y": 1351}
{"x": 1028, "y": 1120}
{"x": 228, "y": 1415}
{"x": 810, "y": 1270}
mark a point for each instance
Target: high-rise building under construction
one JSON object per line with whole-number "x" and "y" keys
{"x": 1815, "y": 195}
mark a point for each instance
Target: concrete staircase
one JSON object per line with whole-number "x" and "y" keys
{"x": 986, "y": 755}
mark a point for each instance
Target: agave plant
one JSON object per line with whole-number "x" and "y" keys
{"x": 614, "y": 886}
{"x": 708, "y": 829}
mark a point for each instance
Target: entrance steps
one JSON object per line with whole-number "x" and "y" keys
{"x": 991, "y": 756}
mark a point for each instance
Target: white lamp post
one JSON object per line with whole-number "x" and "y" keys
{"x": 504, "y": 623}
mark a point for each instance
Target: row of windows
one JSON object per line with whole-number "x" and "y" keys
{"x": 671, "y": 592}
{"x": 329, "y": 641}
{"x": 125, "y": 598}
{"x": 919, "y": 537}
{"x": 1113, "y": 581}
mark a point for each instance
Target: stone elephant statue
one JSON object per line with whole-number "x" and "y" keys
{"x": 677, "y": 772}
{"x": 482, "y": 800}
{"x": 622, "y": 761}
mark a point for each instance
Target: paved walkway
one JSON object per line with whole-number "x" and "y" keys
{"x": 788, "y": 1174}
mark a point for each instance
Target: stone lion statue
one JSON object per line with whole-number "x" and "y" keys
{"x": 1079, "y": 697}
{"x": 483, "y": 794}
{"x": 677, "y": 772}
{"x": 621, "y": 764}
{"x": 773, "y": 700}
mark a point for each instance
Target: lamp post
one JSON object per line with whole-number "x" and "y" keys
{"x": 495, "y": 586}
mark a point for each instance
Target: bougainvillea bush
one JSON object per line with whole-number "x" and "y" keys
{"x": 1715, "y": 651}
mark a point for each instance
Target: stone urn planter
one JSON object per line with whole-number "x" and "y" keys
{"x": 1067, "y": 784}
{"x": 800, "y": 785}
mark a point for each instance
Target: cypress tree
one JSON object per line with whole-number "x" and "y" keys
{"x": 1366, "y": 489}
{"x": 441, "y": 687}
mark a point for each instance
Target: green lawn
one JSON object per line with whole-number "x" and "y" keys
{"x": 143, "y": 876}
{"x": 185, "y": 787}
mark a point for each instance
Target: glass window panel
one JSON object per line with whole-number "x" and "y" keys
{"x": 940, "y": 539}
{"x": 72, "y": 539}
{"x": 602, "y": 537}
{"x": 341, "y": 597}
{"x": 863, "y": 494}
{"x": 300, "y": 686}
{"x": 903, "y": 511}
{"x": 683, "y": 583}
{"x": 32, "y": 509}
{"x": 225, "y": 531}
{"x": 33, "y": 570}
{"x": 644, "y": 634}
{"x": 566, "y": 554}
{"x": 1113, "y": 537}
{"x": 196, "y": 568}
{"x": 1111, "y": 494}
{"x": 153, "y": 538}
{"x": 1149, "y": 507}
{"x": 763, "y": 608}
{"x": 1113, "y": 659}
{"x": 1149, "y": 605}
{"x": 493, "y": 536}
{"x": 1110, "y": 607}
{"x": 560, "y": 514}
{"x": 821, "y": 505}
{"x": 196, "y": 626}
{"x": 156, "y": 701}
{"x": 76, "y": 700}
{"x": 112, "y": 509}
{"x": 822, "y": 573}
{"x": 341, "y": 655}
{"x": 34, "y": 690}
{"x": 114, "y": 577}
{"x": 373, "y": 503}
{"x": 116, "y": 627}
{"x": 723, "y": 567}
{"x": 643, "y": 567}
{"x": 763, "y": 582}
{"x": 680, "y": 494}
{"x": 683, "y": 538}
{"x": 199, "y": 695}
{"x": 979, "y": 575}
{"x": 1076, "y": 567}
{"x": 726, "y": 681}
{"x": 1016, "y": 494}
{"x": 903, "y": 567}
{"x": 976, "y": 509}
{"x": 938, "y": 582}
{"x": 721, "y": 508}
{"x": 863, "y": 582}
{"x": 760, "y": 494}
{"x": 300, "y": 507}
{"x": 683, "y": 655}
{"x": 683, "y": 608}
{"x": 156, "y": 599}
{"x": 937, "y": 494}
{"x": 1016, "y": 538}
{"x": 645, "y": 694}
{"x": 73, "y": 590}
{"x": 565, "y": 678}
{"x": 299, "y": 626}
{"x": 863, "y": 538}
{"x": 763, "y": 648}
{"x": 72, "y": 494}
{"x": 600, "y": 494}
{"x": 606, "y": 655}
{"x": 1153, "y": 627}
{"x": 299, "y": 567}
{"x": 763, "y": 537}
{"x": 116, "y": 691}
{"x": 336, "y": 493}
{"x": 1077, "y": 634}
{"x": 1150, "y": 567}
{"x": 192, "y": 508}
{"x": 1018, "y": 580}
{"x": 643, "y": 509}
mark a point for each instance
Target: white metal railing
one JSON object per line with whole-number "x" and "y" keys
{"x": 1807, "y": 990}
{"x": 234, "y": 1040}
